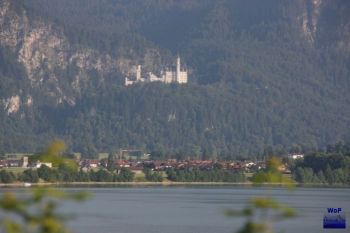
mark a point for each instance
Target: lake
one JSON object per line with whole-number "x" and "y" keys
{"x": 196, "y": 209}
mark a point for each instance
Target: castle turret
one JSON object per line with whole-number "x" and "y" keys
{"x": 181, "y": 75}
{"x": 178, "y": 68}
{"x": 138, "y": 73}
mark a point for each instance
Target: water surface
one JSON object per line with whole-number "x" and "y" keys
{"x": 196, "y": 209}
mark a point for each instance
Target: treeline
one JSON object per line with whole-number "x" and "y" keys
{"x": 66, "y": 174}
{"x": 197, "y": 175}
{"x": 326, "y": 167}
{"x": 152, "y": 176}
{"x": 331, "y": 167}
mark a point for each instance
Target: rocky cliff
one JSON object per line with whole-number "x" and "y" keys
{"x": 325, "y": 22}
{"x": 54, "y": 67}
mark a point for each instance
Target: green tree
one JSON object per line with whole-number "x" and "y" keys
{"x": 271, "y": 174}
{"x": 29, "y": 175}
{"x": 48, "y": 174}
{"x": 152, "y": 176}
{"x": 67, "y": 173}
{"x": 103, "y": 175}
{"x": 83, "y": 176}
{"x": 125, "y": 175}
{"x": 321, "y": 177}
{"x": 329, "y": 175}
{"x": 6, "y": 177}
{"x": 304, "y": 175}
{"x": 2, "y": 154}
{"x": 111, "y": 163}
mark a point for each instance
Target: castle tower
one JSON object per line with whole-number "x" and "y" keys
{"x": 138, "y": 73}
{"x": 180, "y": 75}
{"x": 178, "y": 68}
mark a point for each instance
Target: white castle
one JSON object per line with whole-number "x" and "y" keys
{"x": 166, "y": 76}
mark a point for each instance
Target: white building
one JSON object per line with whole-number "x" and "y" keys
{"x": 25, "y": 161}
{"x": 181, "y": 74}
{"x": 169, "y": 75}
{"x": 175, "y": 76}
{"x": 38, "y": 164}
{"x": 295, "y": 156}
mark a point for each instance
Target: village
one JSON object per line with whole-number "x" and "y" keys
{"x": 137, "y": 165}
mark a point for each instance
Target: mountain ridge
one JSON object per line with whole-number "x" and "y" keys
{"x": 272, "y": 79}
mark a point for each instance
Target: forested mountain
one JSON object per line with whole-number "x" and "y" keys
{"x": 263, "y": 75}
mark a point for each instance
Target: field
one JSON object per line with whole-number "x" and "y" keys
{"x": 15, "y": 170}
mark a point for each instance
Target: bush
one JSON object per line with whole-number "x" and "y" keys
{"x": 152, "y": 176}
{"x": 125, "y": 175}
{"x": 7, "y": 177}
{"x": 29, "y": 175}
{"x": 48, "y": 174}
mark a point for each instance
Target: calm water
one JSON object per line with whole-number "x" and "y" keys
{"x": 195, "y": 209}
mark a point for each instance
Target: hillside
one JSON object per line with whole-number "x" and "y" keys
{"x": 263, "y": 74}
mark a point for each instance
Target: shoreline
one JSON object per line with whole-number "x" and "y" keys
{"x": 164, "y": 183}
